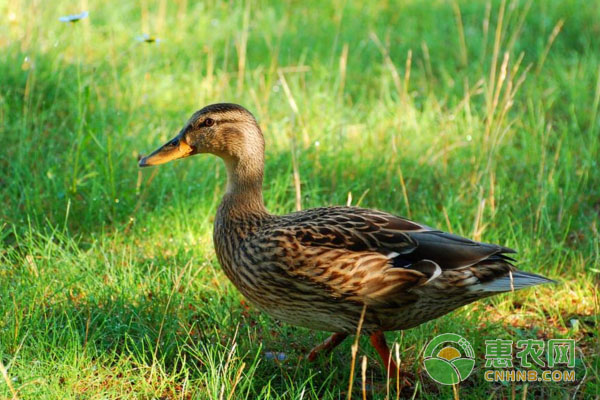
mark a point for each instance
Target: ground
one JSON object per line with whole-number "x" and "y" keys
{"x": 480, "y": 118}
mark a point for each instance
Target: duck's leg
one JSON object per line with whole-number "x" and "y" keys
{"x": 378, "y": 341}
{"x": 329, "y": 344}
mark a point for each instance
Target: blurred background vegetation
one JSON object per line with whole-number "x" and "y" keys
{"x": 480, "y": 118}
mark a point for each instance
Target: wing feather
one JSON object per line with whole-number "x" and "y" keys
{"x": 374, "y": 257}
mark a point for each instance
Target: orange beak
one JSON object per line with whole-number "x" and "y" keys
{"x": 174, "y": 149}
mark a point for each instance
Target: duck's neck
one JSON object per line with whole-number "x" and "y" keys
{"x": 243, "y": 198}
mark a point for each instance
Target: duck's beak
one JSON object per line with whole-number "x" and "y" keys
{"x": 172, "y": 150}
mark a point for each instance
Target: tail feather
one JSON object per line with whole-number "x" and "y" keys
{"x": 515, "y": 280}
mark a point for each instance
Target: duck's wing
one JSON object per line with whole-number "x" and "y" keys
{"x": 375, "y": 257}
{"x": 359, "y": 229}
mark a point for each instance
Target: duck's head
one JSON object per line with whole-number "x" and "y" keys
{"x": 226, "y": 130}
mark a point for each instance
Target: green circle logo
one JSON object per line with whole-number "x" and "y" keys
{"x": 449, "y": 359}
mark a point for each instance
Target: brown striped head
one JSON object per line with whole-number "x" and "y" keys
{"x": 226, "y": 130}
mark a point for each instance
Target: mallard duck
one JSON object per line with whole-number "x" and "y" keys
{"x": 325, "y": 268}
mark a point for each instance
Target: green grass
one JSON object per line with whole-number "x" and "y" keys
{"x": 485, "y": 125}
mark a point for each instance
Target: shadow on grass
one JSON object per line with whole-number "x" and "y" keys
{"x": 207, "y": 338}
{"x": 203, "y": 340}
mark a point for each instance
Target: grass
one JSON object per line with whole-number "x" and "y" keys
{"x": 480, "y": 118}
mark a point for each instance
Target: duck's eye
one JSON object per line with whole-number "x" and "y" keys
{"x": 209, "y": 122}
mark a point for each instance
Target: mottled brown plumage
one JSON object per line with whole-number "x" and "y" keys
{"x": 318, "y": 268}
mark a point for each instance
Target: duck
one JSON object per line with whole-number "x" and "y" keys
{"x": 334, "y": 268}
